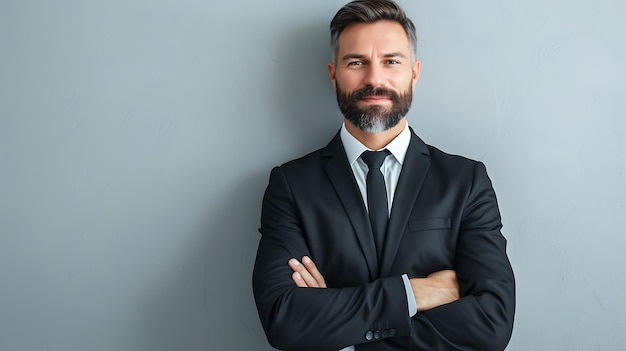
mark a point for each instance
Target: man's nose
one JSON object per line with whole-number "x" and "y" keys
{"x": 374, "y": 76}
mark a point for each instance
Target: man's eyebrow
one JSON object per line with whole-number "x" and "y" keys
{"x": 361, "y": 57}
{"x": 352, "y": 56}
{"x": 395, "y": 54}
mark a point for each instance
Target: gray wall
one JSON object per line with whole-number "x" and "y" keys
{"x": 136, "y": 139}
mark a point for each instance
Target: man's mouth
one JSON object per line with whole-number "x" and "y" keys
{"x": 375, "y": 98}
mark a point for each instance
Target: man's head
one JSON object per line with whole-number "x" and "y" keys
{"x": 374, "y": 69}
{"x": 370, "y": 11}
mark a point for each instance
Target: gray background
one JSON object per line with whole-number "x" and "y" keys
{"x": 136, "y": 139}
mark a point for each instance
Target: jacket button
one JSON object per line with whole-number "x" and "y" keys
{"x": 369, "y": 335}
{"x": 392, "y": 332}
{"x": 377, "y": 334}
{"x": 385, "y": 333}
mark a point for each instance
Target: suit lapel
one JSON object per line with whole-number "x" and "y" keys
{"x": 340, "y": 174}
{"x": 414, "y": 169}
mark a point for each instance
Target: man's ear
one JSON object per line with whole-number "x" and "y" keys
{"x": 416, "y": 71}
{"x": 331, "y": 74}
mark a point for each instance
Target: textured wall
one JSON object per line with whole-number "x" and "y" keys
{"x": 136, "y": 140}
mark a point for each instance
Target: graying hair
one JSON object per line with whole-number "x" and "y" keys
{"x": 370, "y": 11}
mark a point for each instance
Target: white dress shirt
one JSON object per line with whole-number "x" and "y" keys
{"x": 391, "y": 171}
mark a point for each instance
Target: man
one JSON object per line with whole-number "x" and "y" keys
{"x": 392, "y": 250}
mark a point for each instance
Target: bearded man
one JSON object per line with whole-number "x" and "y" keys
{"x": 378, "y": 241}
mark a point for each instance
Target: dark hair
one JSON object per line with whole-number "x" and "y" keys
{"x": 370, "y": 11}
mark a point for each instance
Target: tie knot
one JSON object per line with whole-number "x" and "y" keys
{"x": 374, "y": 159}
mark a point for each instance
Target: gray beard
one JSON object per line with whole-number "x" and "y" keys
{"x": 374, "y": 119}
{"x": 374, "y": 124}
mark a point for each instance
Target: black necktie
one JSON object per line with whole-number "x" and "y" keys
{"x": 376, "y": 196}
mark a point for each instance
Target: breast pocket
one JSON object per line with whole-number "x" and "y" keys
{"x": 419, "y": 225}
{"x": 428, "y": 246}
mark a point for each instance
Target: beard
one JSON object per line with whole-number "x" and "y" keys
{"x": 374, "y": 118}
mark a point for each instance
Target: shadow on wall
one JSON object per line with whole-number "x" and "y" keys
{"x": 306, "y": 100}
{"x": 211, "y": 306}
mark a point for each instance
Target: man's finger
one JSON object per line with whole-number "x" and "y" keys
{"x": 315, "y": 273}
{"x": 305, "y": 275}
{"x": 297, "y": 278}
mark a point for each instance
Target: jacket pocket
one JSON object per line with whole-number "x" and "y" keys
{"x": 429, "y": 224}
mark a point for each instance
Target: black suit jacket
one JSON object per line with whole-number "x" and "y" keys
{"x": 444, "y": 216}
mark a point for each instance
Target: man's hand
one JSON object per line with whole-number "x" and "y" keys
{"x": 436, "y": 289}
{"x": 306, "y": 274}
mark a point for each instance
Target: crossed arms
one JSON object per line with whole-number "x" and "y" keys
{"x": 436, "y": 289}
{"x": 301, "y": 310}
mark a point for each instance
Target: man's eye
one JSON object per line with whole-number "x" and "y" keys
{"x": 393, "y": 62}
{"x": 355, "y": 63}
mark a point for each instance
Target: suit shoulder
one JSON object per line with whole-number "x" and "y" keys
{"x": 441, "y": 156}
{"x": 437, "y": 156}
{"x": 455, "y": 166}
{"x": 304, "y": 163}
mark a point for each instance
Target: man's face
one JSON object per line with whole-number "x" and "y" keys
{"x": 374, "y": 75}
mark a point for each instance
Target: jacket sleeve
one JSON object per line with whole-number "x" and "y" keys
{"x": 308, "y": 318}
{"x": 482, "y": 319}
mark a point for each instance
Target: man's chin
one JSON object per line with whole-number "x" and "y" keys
{"x": 377, "y": 111}
{"x": 376, "y": 124}
{"x": 382, "y": 106}
{"x": 375, "y": 128}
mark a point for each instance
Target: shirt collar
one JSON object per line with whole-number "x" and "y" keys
{"x": 354, "y": 148}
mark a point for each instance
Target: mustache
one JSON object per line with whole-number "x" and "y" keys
{"x": 371, "y": 91}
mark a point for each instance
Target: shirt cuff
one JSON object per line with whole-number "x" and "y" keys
{"x": 410, "y": 298}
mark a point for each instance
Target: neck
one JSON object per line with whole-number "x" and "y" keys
{"x": 375, "y": 141}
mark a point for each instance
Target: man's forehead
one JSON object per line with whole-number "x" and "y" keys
{"x": 396, "y": 54}
{"x": 388, "y": 36}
